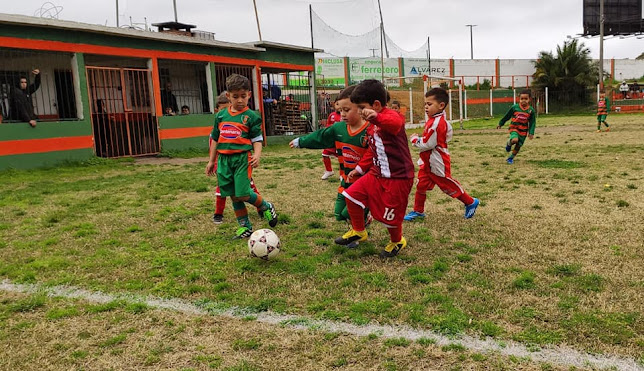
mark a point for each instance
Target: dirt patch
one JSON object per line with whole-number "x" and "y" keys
{"x": 168, "y": 160}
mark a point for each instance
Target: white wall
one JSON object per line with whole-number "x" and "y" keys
{"x": 626, "y": 69}
{"x": 473, "y": 68}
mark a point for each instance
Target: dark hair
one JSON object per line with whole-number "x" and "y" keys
{"x": 526, "y": 91}
{"x": 388, "y": 96}
{"x": 439, "y": 94}
{"x": 602, "y": 91}
{"x": 23, "y": 77}
{"x": 185, "y": 107}
{"x": 346, "y": 92}
{"x": 395, "y": 102}
{"x": 369, "y": 91}
{"x": 237, "y": 82}
{"x": 222, "y": 98}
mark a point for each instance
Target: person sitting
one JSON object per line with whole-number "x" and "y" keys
{"x": 169, "y": 112}
{"x": 185, "y": 110}
{"x": 624, "y": 89}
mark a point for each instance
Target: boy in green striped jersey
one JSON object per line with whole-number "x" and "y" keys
{"x": 603, "y": 107}
{"x": 348, "y": 137}
{"x": 523, "y": 122}
{"x": 237, "y": 132}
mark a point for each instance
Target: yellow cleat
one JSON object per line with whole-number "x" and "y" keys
{"x": 352, "y": 237}
{"x": 393, "y": 248}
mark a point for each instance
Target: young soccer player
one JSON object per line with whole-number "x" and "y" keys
{"x": 395, "y": 105}
{"x": 435, "y": 160}
{"x": 237, "y": 131}
{"x": 603, "y": 107}
{"x": 523, "y": 123}
{"x": 385, "y": 188}
{"x": 223, "y": 103}
{"x": 349, "y": 138}
{"x": 328, "y": 152}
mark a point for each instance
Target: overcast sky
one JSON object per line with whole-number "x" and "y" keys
{"x": 506, "y": 29}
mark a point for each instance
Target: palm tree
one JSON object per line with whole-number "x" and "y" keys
{"x": 568, "y": 74}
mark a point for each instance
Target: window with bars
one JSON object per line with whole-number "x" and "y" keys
{"x": 222, "y": 71}
{"x": 287, "y": 102}
{"x": 47, "y": 96}
{"x": 184, "y": 86}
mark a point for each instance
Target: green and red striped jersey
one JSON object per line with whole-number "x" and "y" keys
{"x": 603, "y": 106}
{"x": 349, "y": 145}
{"x": 235, "y": 132}
{"x": 523, "y": 121}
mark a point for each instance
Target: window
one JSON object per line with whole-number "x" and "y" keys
{"x": 184, "y": 84}
{"x": 51, "y": 93}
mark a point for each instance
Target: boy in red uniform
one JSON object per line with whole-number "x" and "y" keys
{"x": 435, "y": 160}
{"x": 328, "y": 152}
{"x": 385, "y": 188}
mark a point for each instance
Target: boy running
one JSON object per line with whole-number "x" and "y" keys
{"x": 435, "y": 159}
{"x": 385, "y": 188}
{"x": 523, "y": 123}
{"x": 603, "y": 107}
{"x": 328, "y": 152}
{"x": 349, "y": 139}
{"x": 237, "y": 131}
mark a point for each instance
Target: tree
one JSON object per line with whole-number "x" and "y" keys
{"x": 570, "y": 70}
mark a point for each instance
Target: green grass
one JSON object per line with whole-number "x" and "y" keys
{"x": 544, "y": 239}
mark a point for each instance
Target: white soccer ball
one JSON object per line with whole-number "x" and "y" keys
{"x": 264, "y": 244}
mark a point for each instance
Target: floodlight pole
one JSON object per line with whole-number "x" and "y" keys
{"x": 117, "y": 14}
{"x": 174, "y": 4}
{"x": 382, "y": 29}
{"x": 601, "y": 44}
{"x": 259, "y": 31}
{"x": 471, "y": 40}
{"x": 429, "y": 62}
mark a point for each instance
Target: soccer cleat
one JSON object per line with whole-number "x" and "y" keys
{"x": 217, "y": 218}
{"x": 607, "y": 129}
{"x": 260, "y": 213}
{"x": 599, "y": 130}
{"x": 327, "y": 175}
{"x": 271, "y": 215}
{"x": 508, "y": 147}
{"x": 510, "y": 160}
{"x": 393, "y": 248}
{"x": 413, "y": 215}
{"x": 471, "y": 209}
{"x": 352, "y": 236}
{"x": 243, "y": 232}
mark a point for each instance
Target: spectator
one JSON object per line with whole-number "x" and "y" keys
{"x": 169, "y": 112}
{"x": 635, "y": 86}
{"x": 22, "y": 99}
{"x": 624, "y": 89}
{"x": 185, "y": 110}
{"x": 168, "y": 99}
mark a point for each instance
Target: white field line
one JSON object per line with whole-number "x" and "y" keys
{"x": 559, "y": 355}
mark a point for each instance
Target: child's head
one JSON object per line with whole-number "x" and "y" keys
{"x": 336, "y": 105}
{"x": 370, "y": 94}
{"x": 524, "y": 98}
{"x": 602, "y": 94}
{"x": 395, "y": 105}
{"x": 185, "y": 110}
{"x": 348, "y": 110}
{"x": 436, "y": 100}
{"x": 238, "y": 91}
{"x": 222, "y": 102}
{"x": 169, "y": 111}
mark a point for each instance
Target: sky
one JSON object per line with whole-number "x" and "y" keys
{"x": 506, "y": 29}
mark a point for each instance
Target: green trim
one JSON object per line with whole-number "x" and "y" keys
{"x": 58, "y": 129}
{"x": 188, "y": 121}
{"x": 35, "y": 160}
{"x": 199, "y": 143}
{"x": 288, "y": 56}
{"x": 82, "y": 79}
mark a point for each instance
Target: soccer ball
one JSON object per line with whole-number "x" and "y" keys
{"x": 264, "y": 244}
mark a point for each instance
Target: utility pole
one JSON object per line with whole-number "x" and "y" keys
{"x": 601, "y": 44}
{"x": 117, "y": 14}
{"x": 382, "y": 29}
{"x": 373, "y": 51}
{"x": 259, "y": 31}
{"x": 471, "y": 40}
{"x": 429, "y": 62}
{"x": 174, "y": 3}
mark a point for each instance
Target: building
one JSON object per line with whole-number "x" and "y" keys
{"x": 104, "y": 90}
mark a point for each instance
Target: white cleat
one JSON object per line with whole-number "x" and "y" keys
{"x": 327, "y": 175}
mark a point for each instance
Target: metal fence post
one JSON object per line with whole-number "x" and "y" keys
{"x": 547, "y": 100}
{"x": 491, "y": 101}
{"x": 411, "y": 107}
{"x": 465, "y": 101}
{"x": 514, "y": 96}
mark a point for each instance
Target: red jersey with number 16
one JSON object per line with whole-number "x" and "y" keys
{"x": 388, "y": 146}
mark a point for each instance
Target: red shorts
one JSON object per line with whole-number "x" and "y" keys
{"x": 386, "y": 198}
{"x": 329, "y": 152}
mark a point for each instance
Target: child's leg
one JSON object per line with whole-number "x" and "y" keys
{"x": 340, "y": 210}
{"x": 220, "y": 202}
{"x": 424, "y": 183}
{"x": 241, "y": 213}
{"x": 327, "y": 163}
{"x": 263, "y": 206}
{"x": 599, "y": 122}
{"x": 452, "y": 188}
{"x": 356, "y": 215}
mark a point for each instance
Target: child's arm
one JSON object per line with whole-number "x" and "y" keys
{"x": 214, "y": 135}
{"x": 532, "y": 121}
{"x": 389, "y": 121}
{"x": 363, "y": 166}
{"x": 257, "y": 153}
{"x": 320, "y": 139}
{"x": 257, "y": 138}
{"x": 506, "y": 117}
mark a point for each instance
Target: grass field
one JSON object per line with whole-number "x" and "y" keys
{"x": 554, "y": 256}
